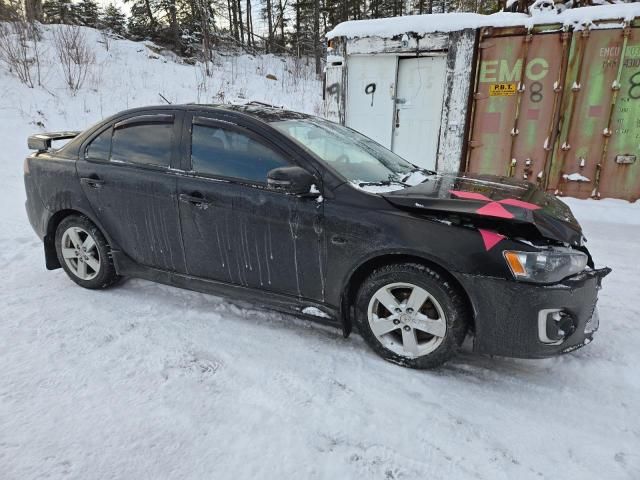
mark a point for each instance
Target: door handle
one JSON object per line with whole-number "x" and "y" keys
{"x": 93, "y": 182}
{"x": 196, "y": 199}
{"x": 397, "y": 117}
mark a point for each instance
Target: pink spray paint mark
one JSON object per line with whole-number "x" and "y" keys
{"x": 494, "y": 209}
{"x": 469, "y": 195}
{"x": 519, "y": 203}
{"x": 490, "y": 238}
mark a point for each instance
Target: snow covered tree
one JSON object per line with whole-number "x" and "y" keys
{"x": 114, "y": 20}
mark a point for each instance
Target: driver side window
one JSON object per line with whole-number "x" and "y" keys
{"x": 228, "y": 153}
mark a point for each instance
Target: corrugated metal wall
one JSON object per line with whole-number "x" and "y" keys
{"x": 559, "y": 108}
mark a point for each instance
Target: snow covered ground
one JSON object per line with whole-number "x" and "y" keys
{"x": 148, "y": 381}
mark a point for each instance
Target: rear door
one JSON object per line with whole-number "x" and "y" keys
{"x": 237, "y": 231}
{"x": 126, "y": 174}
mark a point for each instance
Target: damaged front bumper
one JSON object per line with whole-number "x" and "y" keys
{"x": 526, "y": 320}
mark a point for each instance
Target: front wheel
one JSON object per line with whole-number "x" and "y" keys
{"x": 84, "y": 253}
{"x": 410, "y": 315}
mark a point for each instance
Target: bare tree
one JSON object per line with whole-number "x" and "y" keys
{"x": 74, "y": 54}
{"x": 317, "y": 47}
{"x": 19, "y": 50}
{"x": 207, "y": 47}
{"x": 240, "y": 22}
{"x": 33, "y": 10}
{"x": 269, "y": 26}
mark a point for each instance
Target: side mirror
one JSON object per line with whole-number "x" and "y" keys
{"x": 292, "y": 180}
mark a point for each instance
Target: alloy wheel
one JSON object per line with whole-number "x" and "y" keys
{"x": 80, "y": 253}
{"x": 407, "y": 319}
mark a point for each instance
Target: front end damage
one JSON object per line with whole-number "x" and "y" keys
{"x": 544, "y": 303}
{"x": 534, "y": 321}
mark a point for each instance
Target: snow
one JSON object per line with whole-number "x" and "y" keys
{"x": 605, "y": 211}
{"x": 315, "y": 311}
{"x": 575, "y": 177}
{"x": 362, "y": 185}
{"x": 416, "y": 177}
{"x": 150, "y": 381}
{"x": 450, "y": 22}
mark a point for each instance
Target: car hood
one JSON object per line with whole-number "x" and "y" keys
{"x": 493, "y": 199}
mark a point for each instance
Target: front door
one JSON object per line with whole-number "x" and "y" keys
{"x": 237, "y": 231}
{"x": 125, "y": 173}
{"x": 418, "y": 109}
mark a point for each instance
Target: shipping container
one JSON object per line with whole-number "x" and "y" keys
{"x": 410, "y": 94}
{"x": 556, "y": 104}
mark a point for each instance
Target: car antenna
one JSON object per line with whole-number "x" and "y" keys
{"x": 163, "y": 97}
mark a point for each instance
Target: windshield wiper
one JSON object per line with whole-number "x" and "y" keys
{"x": 418, "y": 169}
{"x": 383, "y": 183}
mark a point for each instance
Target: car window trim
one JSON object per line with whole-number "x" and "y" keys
{"x": 90, "y": 142}
{"x": 145, "y": 119}
{"x": 225, "y": 124}
{"x": 161, "y": 113}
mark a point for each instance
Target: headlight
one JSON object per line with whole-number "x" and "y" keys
{"x": 547, "y": 266}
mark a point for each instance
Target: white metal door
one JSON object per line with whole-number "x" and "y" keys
{"x": 370, "y": 88}
{"x": 418, "y": 109}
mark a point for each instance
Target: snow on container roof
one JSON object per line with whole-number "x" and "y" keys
{"x": 451, "y": 22}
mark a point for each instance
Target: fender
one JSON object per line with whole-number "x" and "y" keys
{"x": 62, "y": 205}
{"x": 347, "y": 308}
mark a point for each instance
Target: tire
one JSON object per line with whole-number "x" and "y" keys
{"x": 423, "y": 331}
{"x": 92, "y": 267}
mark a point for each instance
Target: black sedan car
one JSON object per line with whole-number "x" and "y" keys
{"x": 306, "y": 216}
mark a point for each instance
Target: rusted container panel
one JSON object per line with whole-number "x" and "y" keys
{"x": 593, "y": 68}
{"x": 516, "y": 103}
{"x": 620, "y": 175}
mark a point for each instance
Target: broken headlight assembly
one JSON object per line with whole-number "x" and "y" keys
{"x": 546, "y": 266}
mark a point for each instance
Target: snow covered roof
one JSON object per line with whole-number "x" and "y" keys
{"x": 450, "y": 22}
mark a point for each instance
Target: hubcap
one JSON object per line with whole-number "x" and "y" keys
{"x": 80, "y": 253}
{"x": 407, "y": 319}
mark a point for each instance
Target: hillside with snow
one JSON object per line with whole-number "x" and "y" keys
{"x": 126, "y": 74}
{"x": 146, "y": 381}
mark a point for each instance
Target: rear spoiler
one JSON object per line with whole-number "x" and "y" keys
{"x": 42, "y": 141}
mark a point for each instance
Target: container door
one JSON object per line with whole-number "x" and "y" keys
{"x": 620, "y": 175}
{"x": 371, "y": 85}
{"x": 593, "y": 68}
{"x": 418, "y": 109}
{"x": 516, "y": 104}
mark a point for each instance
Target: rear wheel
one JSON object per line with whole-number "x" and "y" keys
{"x": 84, "y": 253}
{"x": 410, "y": 315}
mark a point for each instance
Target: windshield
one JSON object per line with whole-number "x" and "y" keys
{"x": 357, "y": 158}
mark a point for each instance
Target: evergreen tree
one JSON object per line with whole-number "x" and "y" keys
{"x": 88, "y": 13}
{"x": 114, "y": 20}
{"x": 60, "y": 11}
{"x": 142, "y": 23}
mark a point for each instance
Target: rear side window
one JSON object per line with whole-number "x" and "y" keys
{"x": 144, "y": 144}
{"x": 100, "y": 147}
{"x": 221, "y": 152}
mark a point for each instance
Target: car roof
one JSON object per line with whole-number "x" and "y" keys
{"x": 264, "y": 112}
{"x": 257, "y": 111}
